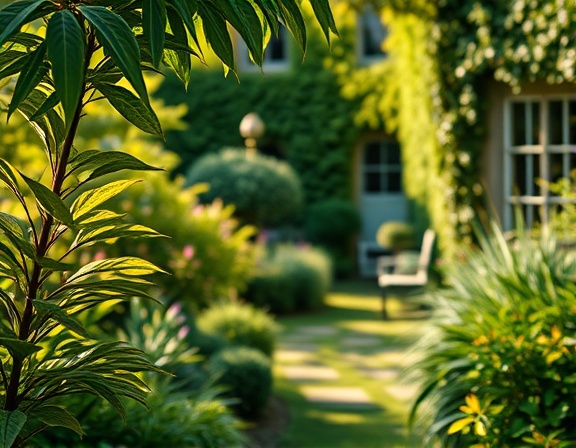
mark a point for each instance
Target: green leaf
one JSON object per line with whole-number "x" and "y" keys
{"x": 186, "y": 9}
{"x": 11, "y": 423}
{"x": 154, "y": 26}
{"x": 217, "y": 34}
{"x": 290, "y": 13}
{"x": 99, "y": 232}
{"x": 106, "y": 162}
{"x": 54, "y": 265}
{"x": 9, "y": 225}
{"x": 32, "y": 73}
{"x": 118, "y": 41}
{"x": 125, "y": 266}
{"x": 46, "y": 106}
{"x": 19, "y": 349}
{"x": 244, "y": 19}
{"x": 131, "y": 108}
{"x": 179, "y": 60}
{"x": 324, "y": 15}
{"x": 16, "y": 14}
{"x": 66, "y": 50}
{"x": 91, "y": 199}
{"x": 47, "y": 310}
{"x": 49, "y": 201}
{"x": 56, "y": 416}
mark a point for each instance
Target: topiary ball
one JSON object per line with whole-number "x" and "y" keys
{"x": 239, "y": 324}
{"x": 246, "y": 374}
{"x": 265, "y": 192}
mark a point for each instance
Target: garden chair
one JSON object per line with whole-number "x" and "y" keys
{"x": 396, "y": 270}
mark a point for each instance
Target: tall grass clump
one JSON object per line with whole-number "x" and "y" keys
{"x": 498, "y": 367}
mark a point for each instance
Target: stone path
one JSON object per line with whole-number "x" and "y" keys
{"x": 318, "y": 384}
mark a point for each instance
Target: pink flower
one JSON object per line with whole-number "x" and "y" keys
{"x": 188, "y": 251}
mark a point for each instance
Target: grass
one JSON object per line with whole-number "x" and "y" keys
{"x": 353, "y": 311}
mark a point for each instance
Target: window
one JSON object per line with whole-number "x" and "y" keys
{"x": 381, "y": 167}
{"x": 371, "y": 35}
{"x": 276, "y": 55}
{"x": 540, "y": 147}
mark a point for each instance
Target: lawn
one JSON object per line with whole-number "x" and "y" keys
{"x": 349, "y": 337}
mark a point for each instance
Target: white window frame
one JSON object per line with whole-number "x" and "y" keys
{"x": 244, "y": 63}
{"x": 541, "y": 200}
{"x": 363, "y": 58}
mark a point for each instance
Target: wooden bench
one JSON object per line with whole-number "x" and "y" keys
{"x": 390, "y": 273}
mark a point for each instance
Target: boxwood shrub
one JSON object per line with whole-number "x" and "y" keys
{"x": 291, "y": 278}
{"x": 246, "y": 373}
{"x": 239, "y": 324}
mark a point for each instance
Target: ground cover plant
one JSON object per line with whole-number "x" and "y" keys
{"x": 498, "y": 366}
{"x": 55, "y": 58}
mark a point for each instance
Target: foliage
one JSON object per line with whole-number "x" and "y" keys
{"x": 291, "y": 278}
{"x": 247, "y": 375}
{"x": 264, "y": 191}
{"x": 332, "y": 223}
{"x": 85, "y": 49}
{"x": 209, "y": 255}
{"x": 498, "y": 367}
{"x": 396, "y": 236}
{"x": 240, "y": 324}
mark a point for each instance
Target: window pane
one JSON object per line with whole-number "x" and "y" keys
{"x": 276, "y": 49}
{"x": 535, "y": 124}
{"x": 372, "y": 153}
{"x": 518, "y": 175}
{"x": 556, "y": 162}
{"x": 555, "y": 123}
{"x": 392, "y": 153}
{"x": 394, "y": 182}
{"x": 373, "y": 34}
{"x": 518, "y": 124}
{"x": 572, "y": 121}
{"x": 372, "y": 182}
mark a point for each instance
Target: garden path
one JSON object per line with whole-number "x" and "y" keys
{"x": 340, "y": 372}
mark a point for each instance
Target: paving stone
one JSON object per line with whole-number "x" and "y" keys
{"x": 318, "y": 330}
{"x": 360, "y": 341}
{"x": 342, "y": 397}
{"x": 402, "y": 392}
{"x": 310, "y": 373}
{"x": 299, "y": 347}
{"x": 293, "y": 356}
{"x": 382, "y": 374}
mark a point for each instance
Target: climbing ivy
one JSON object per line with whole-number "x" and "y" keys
{"x": 431, "y": 90}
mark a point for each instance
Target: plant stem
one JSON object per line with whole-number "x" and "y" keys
{"x": 12, "y": 398}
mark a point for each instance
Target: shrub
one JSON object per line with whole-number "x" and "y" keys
{"x": 332, "y": 225}
{"x": 240, "y": 324}
{"x": 499, "y": 366}
{"x": 264, "y": 191}
{"x": 247, "y": 375}
{"x": 396, "y": 236}
{"x": 292, "y": 278}
{"x": 174, "y": 420}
